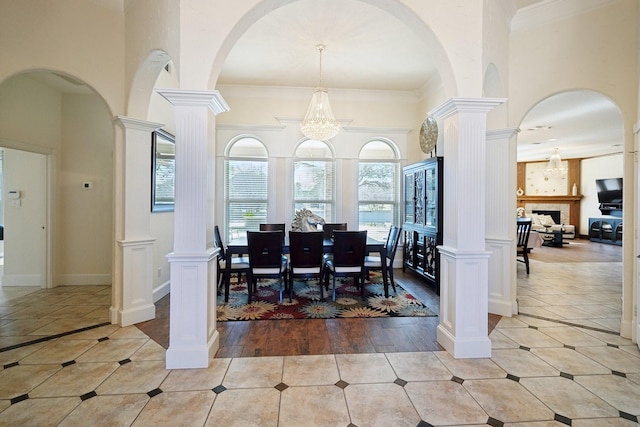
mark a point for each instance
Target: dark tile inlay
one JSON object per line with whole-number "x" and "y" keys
{"x": 19, "y": 399}
{"x": 495, "y": 423}
{"x": 342, "y": 384}
{"x": 525, "y": 348}
{"x": 569, "y": 347}
{"x": 400, "y": 382}
{"x": 618, "y": 373}
{"x": 11, "y": 365}
{"x": 69, "y": 363}
{"x": 562, "y": 419}
{"x": 566, "y": 375}
{"x": 51, "y": 337}
{"x": 613, "y": 345}
{"x": 533, "y": 327}
{"x": 281, "y": 387}
{"x": 103, "y": 339}
{"x": 629, "y": 417}
{"x": 154, "y": 392}
{"x": 423, "y": 423}
{"x": 89, "y": 395}
{"x": 457, "y": 379}
{"x": 124, "y": 361}
{"x": 219, "y": 389}
{"x": 513, "y": 378}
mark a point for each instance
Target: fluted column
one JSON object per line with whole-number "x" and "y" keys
{"x": 193, "y": 338}
{"x": 463, "y": 256}
{"x": 501, "y": 220}
{"x": 132, "y": 283}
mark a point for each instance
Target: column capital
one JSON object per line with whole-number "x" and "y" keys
{"x": 472, "y": 105}
{"x": 136, "y": 124}
{"x": 191, "y": 98}
{"x": 497, "y": 134}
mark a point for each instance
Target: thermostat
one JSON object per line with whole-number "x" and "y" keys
{"x": 14, "y": 194}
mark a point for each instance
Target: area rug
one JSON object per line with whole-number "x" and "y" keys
{"x": 307, "y": 304}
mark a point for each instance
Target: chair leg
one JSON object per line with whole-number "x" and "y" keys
{"x": 526, "y": 261}
{"x": 334, "y": 288}
{"x": 392, "y": 280}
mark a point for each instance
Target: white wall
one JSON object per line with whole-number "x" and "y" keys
{"x": 592, "y": 169}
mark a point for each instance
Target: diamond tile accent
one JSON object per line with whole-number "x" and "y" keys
{"x": 19, "y": 399}
{"x": 613, "y": 345}
{"x": 69, "y": 363}
{"x": 11, "y": 365}
{"x": 513, "y": 378}
{"x": 562, "y": 419}
{"x": 89, "y": 395}
{"x": 154, "y": 392}
{"x": 566, "y": 375}
{"x": 457, "y": 379}
{"x": 618, "y": 373}
{"x": 424, "y": 424}
{"x": 629, "y": 417}
{"x": 124, "y": 361}
{"x": 495, "y": 423}
{"x": 525, "y": 348}
{"x": 400, "y": 382}
{"x": 533, "y": 327}
{"x": 569, "y": 347}
{"x": 342, "y": 384}
{"x": 219, "y": 389}
{"x": 103, "y": 339}
{"x": 281, "y": 387}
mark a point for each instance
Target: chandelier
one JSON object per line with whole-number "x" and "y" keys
{"x": 554, "y": 168}
{"x": 319, "y": 123}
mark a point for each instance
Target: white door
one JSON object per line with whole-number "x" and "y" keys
{"x": 25, "y": 215}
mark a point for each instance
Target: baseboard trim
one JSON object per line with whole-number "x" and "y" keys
{"x": 161, "y": 291}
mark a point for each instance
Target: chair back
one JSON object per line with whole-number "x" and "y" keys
{"x": 265, "y": 249}
{"x": 392, "y": 242}
{"x": 524, "y": 229}
{"x": 272, "y": 227}
{"x": 217, "y": 241}
{"x": 305, "y": 249}
{"x": 329, "y": 228}
{"x": 349, "y": 248}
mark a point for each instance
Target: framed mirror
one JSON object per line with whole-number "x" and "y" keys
{"x": 163, "y": 171}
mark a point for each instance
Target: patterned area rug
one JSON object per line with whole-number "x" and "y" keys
{"x": 307, "y": 304}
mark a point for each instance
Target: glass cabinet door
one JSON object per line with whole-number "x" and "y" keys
{"x": 431, "y": 197}
{"x": 409, "y": 197}
{"x": 420, "y": 198}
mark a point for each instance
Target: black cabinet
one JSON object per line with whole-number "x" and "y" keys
{"x": 422, "y": 226}
{"x": 606, "y": 230}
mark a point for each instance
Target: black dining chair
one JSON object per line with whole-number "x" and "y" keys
{"x": 266, "y": 260}
{"x": 238, "y": 265}
{"x": 522, "y": 246}
{"x": 347, "y": 259}
{"x": 374, "y": 263}
{"x": 329, "y": 228}
{"x": 273, "y": 227}
{"x": 306, "y": 257}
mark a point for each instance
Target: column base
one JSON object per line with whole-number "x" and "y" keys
{"x": 197, "y": 356}
{"x": 464, "y": 348}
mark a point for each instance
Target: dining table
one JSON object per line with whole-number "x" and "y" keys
{"x": 239, "y": 246}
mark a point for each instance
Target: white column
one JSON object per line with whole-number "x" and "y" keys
{"x": 501, "y": 220}
{"x": 193, "y": 338}
{"x": 463, "y": 257}
{"x": 132, "y": 287}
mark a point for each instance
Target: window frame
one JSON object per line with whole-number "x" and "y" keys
{"x": 331, "y": 202}
{"x": 156, "y": 204}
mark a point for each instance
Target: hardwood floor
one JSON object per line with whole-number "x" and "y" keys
{"x": 333, "y": 336}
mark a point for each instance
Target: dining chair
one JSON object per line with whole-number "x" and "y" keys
{"x": 273, "y": 227}
{"x": 522, "y": 249}
{"x": 329, "y": 228}
{"x": 306, "y": 257}
{"x": 266, "y": 260}
{"x": 238, "y": 265}
{"x": 374, "y": 263}
{"x": 347, "y": 259}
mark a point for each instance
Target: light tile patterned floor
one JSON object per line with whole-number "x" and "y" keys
{"x": 542, "y": 372}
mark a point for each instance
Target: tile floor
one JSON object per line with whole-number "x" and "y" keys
{"x": 541, "y": 372}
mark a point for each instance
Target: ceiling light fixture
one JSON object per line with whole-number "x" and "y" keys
{"x": 555, "y": 168}
{"x": 319, "y": 123}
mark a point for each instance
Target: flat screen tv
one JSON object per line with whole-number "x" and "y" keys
{"x": 609, "y": 190}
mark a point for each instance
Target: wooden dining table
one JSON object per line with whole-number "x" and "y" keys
{"x": 239, "y": 246}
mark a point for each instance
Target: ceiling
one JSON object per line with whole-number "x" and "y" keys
{"x": 367, "y": 48}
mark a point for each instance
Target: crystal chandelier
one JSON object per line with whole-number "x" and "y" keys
{"x": 319, "y": 123}
{"x": 554, "y": 168}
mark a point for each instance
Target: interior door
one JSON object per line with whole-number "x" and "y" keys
{"x": 25, "y": 214}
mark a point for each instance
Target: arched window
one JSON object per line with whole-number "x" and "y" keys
{"x": 314, "y": 179}
{"x": 246, "y": 172}
{"x": 378, "y": 188}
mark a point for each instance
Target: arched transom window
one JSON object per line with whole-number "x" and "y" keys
{"x": 314, "y": 179}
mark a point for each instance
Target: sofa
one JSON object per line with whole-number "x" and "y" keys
{"x": 543, "y": 221}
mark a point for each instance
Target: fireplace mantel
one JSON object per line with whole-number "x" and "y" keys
{"x": 572, "y": 201}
